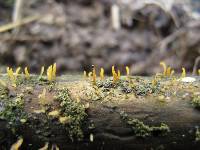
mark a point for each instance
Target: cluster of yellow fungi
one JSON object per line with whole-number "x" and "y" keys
{"x": 51, "y": 73}
{"x": 115, "y": 74}
{"x": 167, "y": 71}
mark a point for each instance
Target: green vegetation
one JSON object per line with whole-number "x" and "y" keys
{"x": 13, "y": 107}
{"x": 196, "y": 101}
{"x": 139, "y": 87}
{"x": 142, "y": 130}
{"x": 75, "y": 111}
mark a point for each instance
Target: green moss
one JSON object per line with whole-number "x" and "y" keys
{"x": 75, "y": 111}
{"x": 142, "y": 130}
{"x": 13, "y": 109}
{"x": 196, "y": 101}
{"x": 140, "y": 87}
{"x": 33, "y": 80}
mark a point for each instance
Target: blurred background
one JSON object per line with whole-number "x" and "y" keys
{"x": 78, "y": 33}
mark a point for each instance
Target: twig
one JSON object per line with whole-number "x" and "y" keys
{"x": 17, "y": 13}
{"x": 24, "y": 21}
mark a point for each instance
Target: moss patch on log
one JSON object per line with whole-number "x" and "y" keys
{"x": 142, "y": 130}
{"x": 75, "y": 111}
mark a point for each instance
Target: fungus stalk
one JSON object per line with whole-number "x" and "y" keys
{"x": 127, "y": 73}
{"x": 164, "y": 68}
{"x": 102, "y": 74}
{"x": 199, "y": 72}
{"x": 84, "y": 74}
{"x": 94, "y": 76}
{"x": 10, "y": 74}
{"x": 13, "y": 76}
{"x": 172, "y": 73}
{"x": 41, "y": 71}
{"x": 168, "y": 71}
{"x": 183, "y": 73}
{"x": 27, "y": 74}
{"x": 51, "y": 72}
{"x": 115, "y": 76}
{"x": 90, "y": 74}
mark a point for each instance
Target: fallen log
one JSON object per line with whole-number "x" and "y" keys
{"x": 74, "y": 113}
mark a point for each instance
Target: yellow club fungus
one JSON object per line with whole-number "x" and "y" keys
{"x": 168, "y": 71}
{"x": 10, "y": 74}
{"x": 17, "y": 145}
{"x": 89, "y": 74}
{"x": 51, "y": 72}
{"x": 54, "y": 71}
{"x": 17, "y": 71}
{"x": 94, "y": 76}
{"x": 199, "y": 72}
{"x": 102, "y": 74}
{"x": 84, "y": 74}
{"x": 183, "y": 73}
{"x": 164, "y": 68}
{"x": 127, "y": 71}
{"x": 118, "y": 74}
{"x": 45, "y": 147}
{"x": 115, "y": 76}
{"x": 27, "y": 74}
{"x": 172, "y": 73}
{"x": 42, "y": 71}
